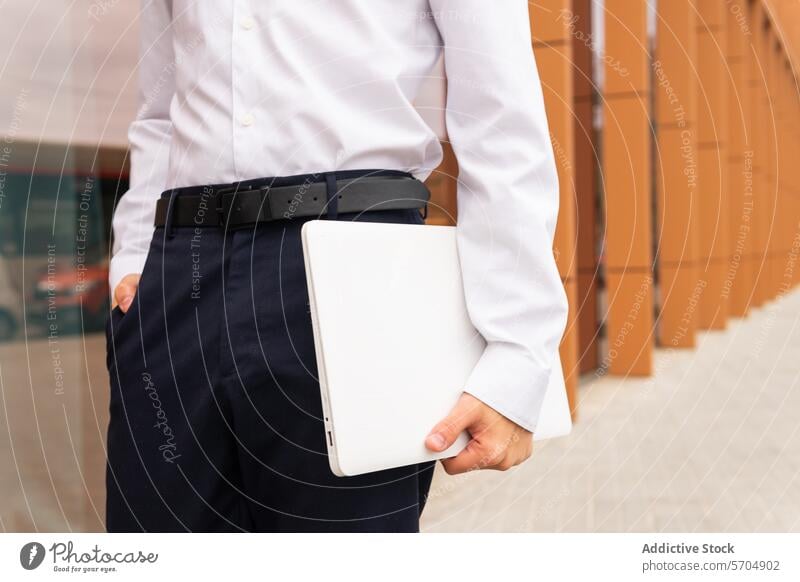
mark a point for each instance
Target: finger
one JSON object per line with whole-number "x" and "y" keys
{"x": 513, "y": 456}
{"x": 473, "y": 457}
{"x": 505, "y": 463}
{"x": 486, "y": 452}
{"x": 125, "y": 292}
{"x": 124, "y": 297}
{"x": 446, "y": 432}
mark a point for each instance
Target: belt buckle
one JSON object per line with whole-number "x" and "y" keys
{"x": 227, "y": 198}
{"x": 225, "y": 202}
{"x": 223, "y": 209}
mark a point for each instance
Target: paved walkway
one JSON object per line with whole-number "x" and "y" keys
{"x": 710, "y": 443}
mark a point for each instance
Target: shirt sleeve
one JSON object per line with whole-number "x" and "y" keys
{"x": 507, "y": 201}
{"x": 149, "y": 136}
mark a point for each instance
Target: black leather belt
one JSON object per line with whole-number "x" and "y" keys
{"x": 251, "y": 202}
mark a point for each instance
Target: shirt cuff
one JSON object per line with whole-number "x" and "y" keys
{"x": 510, "y": 382}
{"x": 124, "y": 263}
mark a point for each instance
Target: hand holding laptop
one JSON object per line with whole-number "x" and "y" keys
{"x": 395, "y": 347}
{"x": 496, "y": 443}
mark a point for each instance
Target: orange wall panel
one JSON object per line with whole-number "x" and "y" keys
{"x": 676, "y": 187}
{"x": 626, "y": 182}
{"x": 674, "y": 70}
{"x": 630, "y": 323}
{"x": 550, "y": 20}
{"x": 712, "y": 205}
{"x": 569, "y": 348}
{"x": 443, "y": 181}
{"x": 712, "y": 113}
{"x": 587, "y": 321}
{"x": 680, "y": 291}
{"x": 626, "y": 47}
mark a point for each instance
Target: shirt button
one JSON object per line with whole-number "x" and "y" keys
{"x": 248, "y": 23}
{"x": 247, "y": 119}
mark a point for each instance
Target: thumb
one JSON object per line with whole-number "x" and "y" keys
{"x": 446, "y": 432}
{"x": 126, "y": 291}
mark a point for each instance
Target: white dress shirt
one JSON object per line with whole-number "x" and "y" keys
{"x": 253, "y": 88}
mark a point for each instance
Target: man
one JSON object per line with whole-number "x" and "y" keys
{"x": 285, "y": 105}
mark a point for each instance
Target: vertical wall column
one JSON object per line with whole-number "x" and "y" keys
{"x": 791, "y": 168}
{"x": 765, "y": 203}
{"x": 712, "y": 163}
{"x": 783, "y": 241}
{"x": 739, "y": 175}
{"x": 774, "y": 260}
{"x": 626, "y": 183}
{"x": 787, "y": 244}
{"x": 551, "y": 22}
{"x": 756, "y": 120}
{"x": 585, "y": 186}
{"x": 676, "y": 169}
{"x": 790, "y": 171}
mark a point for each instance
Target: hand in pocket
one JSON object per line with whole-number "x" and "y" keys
{"x": 126, "y": 291}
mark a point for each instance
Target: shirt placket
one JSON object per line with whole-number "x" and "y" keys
{"x": 244, "y": 31}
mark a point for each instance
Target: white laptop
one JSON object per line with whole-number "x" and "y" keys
{"x": 394, "y": 342}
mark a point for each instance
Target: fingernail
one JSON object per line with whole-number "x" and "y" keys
{"x": 125, "y": 303}
{"x": 436, "y": 441}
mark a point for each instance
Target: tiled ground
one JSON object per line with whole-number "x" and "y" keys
{"x": 53, "y": 417}
{"x": 711, "y": 443}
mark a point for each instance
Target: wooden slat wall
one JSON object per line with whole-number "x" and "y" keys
{"x": 552, "y": 46}
{"x": 626, "y": 183}
{"x": 585, "y": 187}
{"x": 677, "y": 173}
{"x": 712, "y": 163}
{"x": 716, "y": 159}
{"x": 736, "y": 290}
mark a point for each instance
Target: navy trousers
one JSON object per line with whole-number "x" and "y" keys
{"x": 215, "y": 420}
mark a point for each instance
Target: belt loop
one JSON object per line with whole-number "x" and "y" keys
{"x": 170, "y": 230}
{"x": 332, "y": 195}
